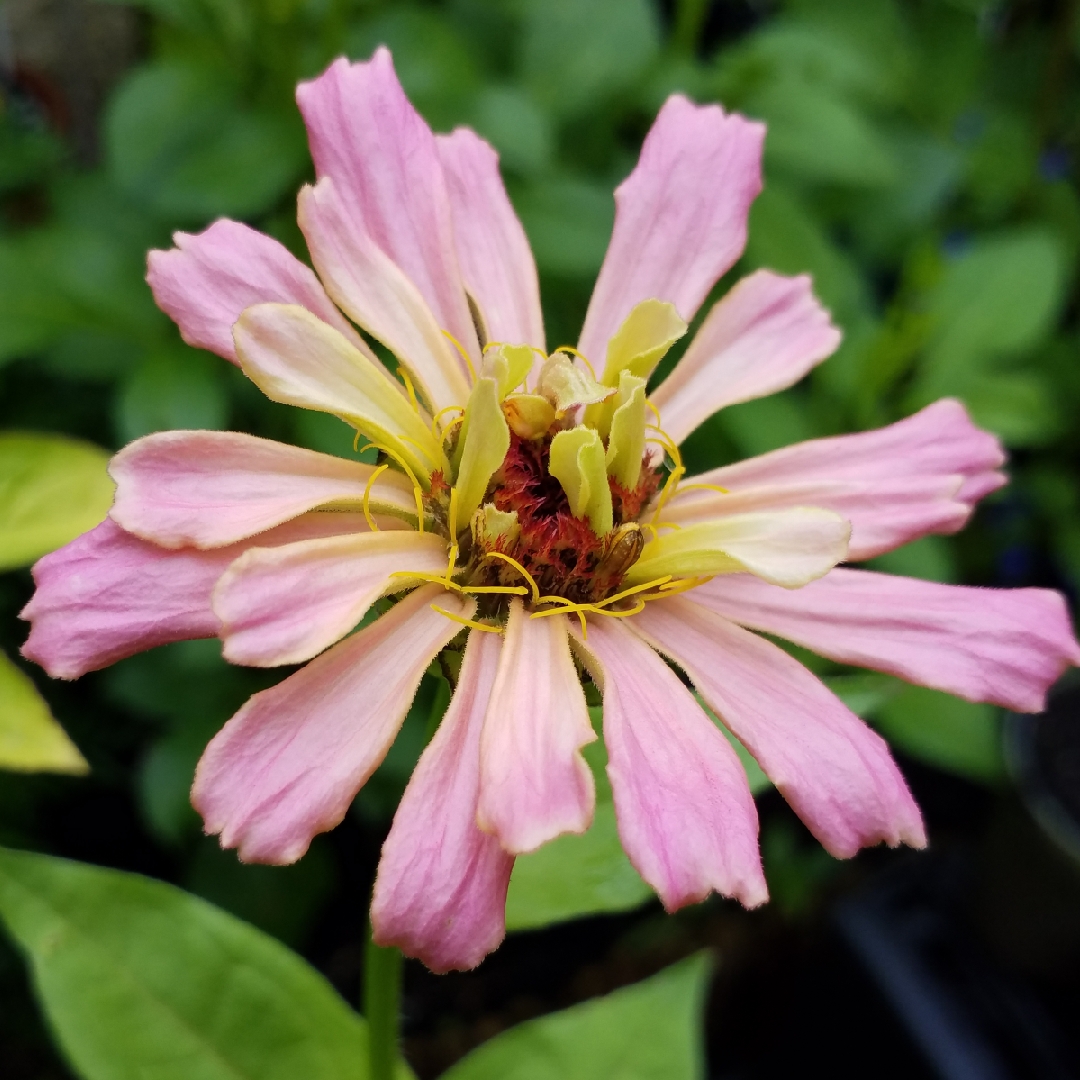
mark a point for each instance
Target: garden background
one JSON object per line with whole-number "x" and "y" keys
{"x": 921, "y": 162}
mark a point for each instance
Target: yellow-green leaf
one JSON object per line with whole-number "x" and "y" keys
{"x": 51, "y": 489}
{"x": 30, "y": 739}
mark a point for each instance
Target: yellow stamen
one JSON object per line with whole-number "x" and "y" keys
{"x": 472, "y": 623}
{"x": 441, "y": 435}
{"x": 464, "y": 355}
{"x": 410, "y": 391}
{"x": 580, "y": 355}
{"x": 367, "y": 497}
{"x": 657, "y": 582}
{"x": 521, "y": 570}
{"x": 709, "y": 487}
{"x": 655, "y": 412}
{"x": 418, "y": 491}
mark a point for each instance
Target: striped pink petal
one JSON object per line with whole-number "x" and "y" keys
{"x": 284, "y": 605}
{"x": 684, "y": 809}
{"x": 378, "y": 295}
{"x": 204, "y": 283}
{"x": 836, "y": 773}
{"x": 534, "y": 783}
{"x": 289, "y": 763}
{"x": 496, "y": 260}
{"x": 440, "y": 894}
{"x": 883, "y": 514}
{"x": 365, "y": 134}
{"x": 680, "y": 216}
{"x": 108, "y": 594}
{"x": 931, "y": 452}
{"x": 764, "y": 336}
{"x": 208, "y": 489}
{"x": 1005, "y": 646}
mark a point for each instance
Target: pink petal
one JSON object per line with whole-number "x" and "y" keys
{"x": 883, "y": 515}
{"x": 680, "y": 216}
{"x": 836, "y": 773}
{"x": 440, "y": 894}
{"x": 378, "y": 295}
{"x": 1005, "y": 646}
{"x": 289, "y": 763}
{"x": 534, "y": 783}
{"x": 211, "y": 488}
{"x": 685, "y": 813}
{"x": 204, "y": 283}
{"x": 496, "y": 260}
{"x": 284, "y": 605}
{"x": 931, "y": 452}
{"x": 764, "y": 336}
{"x": 365, "y": 134}
{"x": 108, "y": 594}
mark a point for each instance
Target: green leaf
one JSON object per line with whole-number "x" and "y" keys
{"x": 816, "y": 134}
{"x": 995, "y": 303}
{"x": 568, "y": 221}
{"x": 516, "y": 126}
{"x": 575, "y": 876}
{"x": 142, "y": 982}
{"x": 955, "y": 735}
{"x": 51, "y": 489}
{"x": 30, "y": 739}
{"x": 785, "y": 236}
{"x": 649, "y": 1031}
{"x": 175, "y": 388}
{"x": 574, "y": 52}
{"x": 179, "y": 139}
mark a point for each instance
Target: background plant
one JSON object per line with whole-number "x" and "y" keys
{"x": 920, "y": 163}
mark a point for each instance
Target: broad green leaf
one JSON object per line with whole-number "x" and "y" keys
{"x": 931, "y": 558}
{"x": 996, "y": 302}
{"x": 865, "y": 693}
{"x": 648, "y": 1031}
{"x": 574, "y": 52}
{"x": 575, "y": 876}
{"x": 787, "y": 237}
{"x": 1019, "y": 406}
{"x": 173, "y": 388}
{"x": 568, "y": 221}
{"x": 141, "y": 981}
{"x": 516, "y": 126}
{"x": 179, "y": 140}
{"x": 955, "y": 735}
{"x": 816, "y": 134}
{"x": 51, "y": 489}
{"x": 30, "y": 739}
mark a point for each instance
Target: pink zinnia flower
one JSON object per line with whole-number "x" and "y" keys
{"x": 525, "y": 515}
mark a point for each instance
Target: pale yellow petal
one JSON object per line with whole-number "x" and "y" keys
{"x": 626, "y": 440}
{"x": 786, "y": 547}
{"x": 296, "y": 358}
{"x": 577, "y": 462}
{"x": 567, "y": 386}
{"x": 485, "y": 441}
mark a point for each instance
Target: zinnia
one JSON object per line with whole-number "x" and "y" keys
{"x": 531, "y": 509}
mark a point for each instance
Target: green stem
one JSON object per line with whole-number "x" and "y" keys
{"x": 382, "y": 1004}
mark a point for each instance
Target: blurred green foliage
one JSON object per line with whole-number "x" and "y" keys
{"x": 921, "y": 163}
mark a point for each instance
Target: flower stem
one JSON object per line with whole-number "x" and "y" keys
{"x": 382, "y": 1004}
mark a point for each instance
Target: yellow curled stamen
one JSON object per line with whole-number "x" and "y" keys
{"x": 418, "y": 491}
{"x": 507, "y": 590}
{"x": 461, "y": 350}
{"x": 580, "y": 355}
{"x": 655, "y": 412}
{"x": 440, "y": 435}
{"x": 706, "y": 487}
{"x": 410, "y": 391}
{"x": 367, "y": 497}
{"x": 472, "y": 623}
{"x": 521, "y": 570}
{"x": 655, "y": 583}
{"x": 433, "y": 579}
